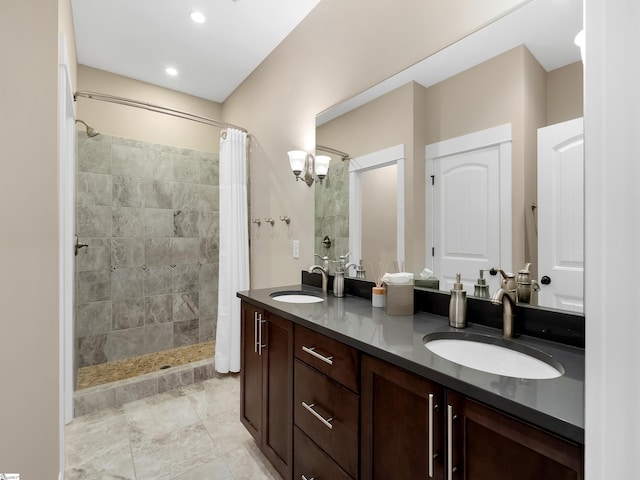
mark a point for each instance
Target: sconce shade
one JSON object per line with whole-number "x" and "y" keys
{"x": 296, "y": 160}
{"x": 322, "y": 166}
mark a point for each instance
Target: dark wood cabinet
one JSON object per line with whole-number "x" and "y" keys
{"x": 402, "y": 432}
{"x": 486, "y": 444}
{"x": 408, "y": 421}
{"x": 266, "y": 384}
{"x": 321, "y": 409}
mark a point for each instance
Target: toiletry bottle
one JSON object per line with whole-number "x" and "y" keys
{"x": 481, "y": 288}
{"x": 525, "y": 285}
{"x": 458, "y": 305}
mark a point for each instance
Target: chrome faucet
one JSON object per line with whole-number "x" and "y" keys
{"x": 507, "y": 297}
{"x": 325, "y": 276}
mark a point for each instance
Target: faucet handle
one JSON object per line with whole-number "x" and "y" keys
{"x": 508, "y": 280}
{"x": 325, "y": 261}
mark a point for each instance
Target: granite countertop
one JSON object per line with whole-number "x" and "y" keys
{"x": 556, "y": 404}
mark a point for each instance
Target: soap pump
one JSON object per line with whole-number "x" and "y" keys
{"x": 458, "y": 305}
{"x": 481, "y": 288}
{"x": 525, "y": 285}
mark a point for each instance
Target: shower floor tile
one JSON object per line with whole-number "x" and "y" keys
{"x": 103, "y": 373}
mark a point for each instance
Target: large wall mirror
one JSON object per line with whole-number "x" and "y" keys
{"x": 524, "y": 71}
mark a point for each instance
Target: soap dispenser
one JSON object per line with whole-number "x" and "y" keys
{"x": 481, "y": 288}
{"x": 458, "y": 305}
{"x": 525, "y": 285}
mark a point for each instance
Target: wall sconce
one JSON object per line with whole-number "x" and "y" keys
{"x": 306, "y": 166}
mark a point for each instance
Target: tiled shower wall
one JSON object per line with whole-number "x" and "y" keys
{"x": 332, "y": 211}
{"x": 148, "y": 280}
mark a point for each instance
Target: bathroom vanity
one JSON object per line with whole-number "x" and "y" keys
{"x": 339, "y": 390}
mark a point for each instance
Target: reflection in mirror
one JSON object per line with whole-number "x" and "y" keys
{"x": 523, "y": 70}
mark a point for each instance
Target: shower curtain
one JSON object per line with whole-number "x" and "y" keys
{"x": 233, "y": 274}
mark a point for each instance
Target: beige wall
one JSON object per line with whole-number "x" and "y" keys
{"x": 341, "y": 48}
{"x": 29, "y": 381}
{"x": 130, "y": 122}
{"x": 565, "y": 93}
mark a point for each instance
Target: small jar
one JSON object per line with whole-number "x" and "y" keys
{"x": 378, "y": 296}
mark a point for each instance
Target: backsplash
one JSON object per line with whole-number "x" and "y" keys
{"x": 148, "y": 280}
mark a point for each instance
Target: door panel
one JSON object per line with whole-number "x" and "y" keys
{"x": 561, "y": 214}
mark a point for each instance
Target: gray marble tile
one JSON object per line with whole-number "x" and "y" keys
{"x": 173, "y": 454}
{"x": 203, "y": 372}
{"x": 172, "y": 380}
{"x": 157, "y": 251}
{"x": 185, "y": 250}
{"x": 127, "y": 252}
{"x": 209, "y": 250}
{"x": 93, "y": 189}
{"x": 209, "y": 198}
{"x": 158, "y": 222}
{"x": 158, "y": 280}
{"x": 186, "y": 278}
{"x": 208, "y": 302}
{"x": 126, "y": 282}
{"x": 158, "y": 309}
{"x": 158, "y": 337}
{"x": 93, "y": 318}
{"x": 159, "y": 165}
{"x": 93, "y": 221}
{"x": 185, "y": 332}
{"x": 90, "y": 350}
{"x": 209, "y": 276}
{"x": 97, "y": 256}
{"x": 127, "y": 160}
{"x": 207, "y": 328}
{"x": 94, "y": 154}
{"x": 127, "y": 222}
{"x": 208, "y": 224}
{"x": 114, "y": 464}
{"x": 93, "y": 286}
{"x": 185, "y": 223}
{"x": 127, "y": 191}
{"x": 247, "y": 463}
{"x": 158, "y": 194}
{"x": 124, "y": 344}
{"x": 186, "y": 169}
{"x": 135, "y": 391}
{"x": 209, "y": 171}
{"x": 128, "y": 313}
{"x": 185, "y": 306}
{"x": 226, "y": 431}
{"x": 84, "y": 443}
{"x": 215, "y": 469}
{"x": 185, "y": 196}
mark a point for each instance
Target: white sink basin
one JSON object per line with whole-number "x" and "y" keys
{"x": 494, "y": 355}
{"x": 296, "y": 297}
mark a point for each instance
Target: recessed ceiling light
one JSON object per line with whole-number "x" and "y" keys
{"x": 171, "y": 71}
{"x": 198, "y": 17}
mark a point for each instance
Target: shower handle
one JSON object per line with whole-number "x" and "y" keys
{"x": 79, "y": 245}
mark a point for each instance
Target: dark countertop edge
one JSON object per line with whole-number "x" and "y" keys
{"x": 521, "y": 412}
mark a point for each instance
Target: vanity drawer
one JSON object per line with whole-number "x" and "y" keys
{"x": 311, "y": 461}
{"x": 328, "y": 413}
{"x": 331, "y": 357}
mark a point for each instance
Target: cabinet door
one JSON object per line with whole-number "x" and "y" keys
{"x": 486, "y": 444}
{"x": 251, "y": 371}
{"x": 402, "y": 424}
{"x": 277, "y": 384}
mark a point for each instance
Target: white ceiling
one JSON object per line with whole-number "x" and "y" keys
{"x": 140, "y": 38}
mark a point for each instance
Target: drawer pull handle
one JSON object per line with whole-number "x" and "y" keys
{"x": 431, "y": 455}
{"x": 303, "y": 477}
{"x": 312, "y": 351}
{"x": 326, "y": 422}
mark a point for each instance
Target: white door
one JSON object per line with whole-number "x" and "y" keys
{"x": 561, "y": 215}
{"x": 469, "y": 206}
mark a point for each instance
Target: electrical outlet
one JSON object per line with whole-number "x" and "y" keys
{"x": 296, "y": 249}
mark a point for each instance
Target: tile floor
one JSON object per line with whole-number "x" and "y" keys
{"x": 193, "y": 433}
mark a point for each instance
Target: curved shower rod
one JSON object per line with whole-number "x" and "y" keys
{"x": 154, "y": 108}
{"x": 324, "y": 148}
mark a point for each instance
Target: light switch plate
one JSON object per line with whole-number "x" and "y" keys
{"x": 296, "y": 249}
